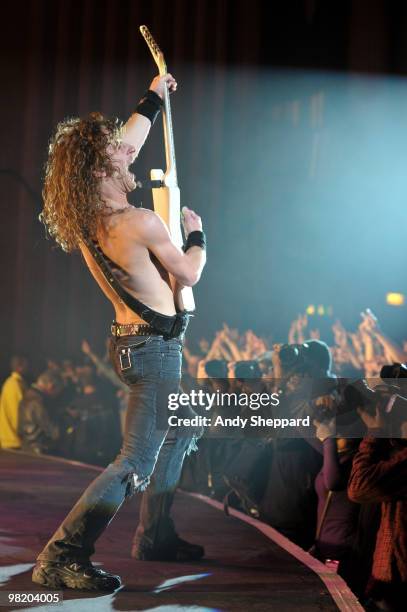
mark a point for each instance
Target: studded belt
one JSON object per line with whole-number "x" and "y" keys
{"x": 133, "y": 329}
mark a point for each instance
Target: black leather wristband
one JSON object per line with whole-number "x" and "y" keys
{"x": 149, "y": 105}
{"x": 196, "y": 238}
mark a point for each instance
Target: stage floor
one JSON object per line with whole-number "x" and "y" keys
{"x": 244, "y": 570}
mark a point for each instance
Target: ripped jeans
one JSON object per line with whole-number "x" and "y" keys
{"x": 151, "y": 367}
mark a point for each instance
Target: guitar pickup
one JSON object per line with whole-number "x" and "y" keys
{"x": 153, "y": 184}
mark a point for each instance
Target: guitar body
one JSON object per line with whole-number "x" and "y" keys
{"x": 167, "y": 197}
{"x": 167, "y": 205}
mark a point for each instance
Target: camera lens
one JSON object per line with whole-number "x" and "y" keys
{"x": 397, "y": 370}
{"x": 289, "y": 355}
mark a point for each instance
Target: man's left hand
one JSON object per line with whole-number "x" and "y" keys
{"x": 159, "y": 83}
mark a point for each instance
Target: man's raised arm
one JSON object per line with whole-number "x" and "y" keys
{"x": 136, "y": 129}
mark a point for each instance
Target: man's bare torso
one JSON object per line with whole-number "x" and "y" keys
{"x": 145, "y": 277}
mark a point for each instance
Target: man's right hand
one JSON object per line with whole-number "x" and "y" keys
{"x": 149, "y": 230}
{"x": 191, "y": 221}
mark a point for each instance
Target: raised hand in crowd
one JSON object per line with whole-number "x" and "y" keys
{"x": 215, "y": 349}
{"x": 340, "y": 334}
{"x": 232, "y": 333}
{"x": 254, "y": 345}
{"x": 203, "y": 346}
{"x": 85, "y": 347}
{"x": 370, "y": 354}
{"x": 296, "y": 334}
{"x": 369, "y": 321}
{"x": 191, "y": 360}
{"x": 231, "y": 369}
{"x": 315, "y": 334}
{"x": 357, "y": 345}
{"x": 344, "y": 351}
{"x": 373, "y": 421}
{"x": 276, "y": 362}
{"x": 228, "y": 347}
{"x": 392, "y": 351}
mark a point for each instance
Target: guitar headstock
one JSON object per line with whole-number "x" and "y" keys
{"x": 155, "y": 49}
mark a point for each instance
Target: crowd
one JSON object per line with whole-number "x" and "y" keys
{"x": 340, "y": 493}
{"x": 71, "y": 410}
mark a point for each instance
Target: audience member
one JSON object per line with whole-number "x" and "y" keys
{"x": 96, "y": 433}
{"x": 379, "y": 475}
{"x": 315, "y": 488}
{"x": 337, "y": 519}
{"x": 10, "y": 398}
{"x": 38, "y": 429}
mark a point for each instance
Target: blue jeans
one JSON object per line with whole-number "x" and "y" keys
{"x": 151, "y": 367}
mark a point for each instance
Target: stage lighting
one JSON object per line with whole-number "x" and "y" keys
{"x": 319, "y": 310}
{"x": 395, "y": 299}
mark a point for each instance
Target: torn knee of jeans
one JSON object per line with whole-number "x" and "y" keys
{"x": 135, "y": 483}
{"x": 192, "y": 446}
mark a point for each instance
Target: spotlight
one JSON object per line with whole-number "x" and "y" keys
{"x": 395, "y": 299}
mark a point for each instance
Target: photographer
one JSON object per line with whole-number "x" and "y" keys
{"x": 379, "y": 475}
{"x": 337, "y": 518}
{"x": 94, "y": 421}
{"x": 243, "y": 474}
{"x": 290, "y": 502}
{"x": 37, "y": 426}
{"x": 203, "y": 471}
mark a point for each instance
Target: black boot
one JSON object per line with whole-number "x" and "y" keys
{"x": 74, "y": 576}
{"x": 175, "y": 550}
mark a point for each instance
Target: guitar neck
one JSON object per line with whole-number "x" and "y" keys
{"x": 167, "y": 198}
{"x": 170, "y": 178}
{"x": 171, "y": 173}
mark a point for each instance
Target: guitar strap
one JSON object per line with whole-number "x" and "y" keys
{"x": 169, "y": 326}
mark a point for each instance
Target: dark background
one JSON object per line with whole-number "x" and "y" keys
{"x": 290, "y": 131}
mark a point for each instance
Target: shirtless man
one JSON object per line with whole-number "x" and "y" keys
{"x": 85, "y": 204}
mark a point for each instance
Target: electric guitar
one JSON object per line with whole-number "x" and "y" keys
{"x": 166, "y": 198}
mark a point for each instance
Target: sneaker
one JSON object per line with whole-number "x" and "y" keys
{"x": 180, "y": 551}
{"x": 74, "y": 576}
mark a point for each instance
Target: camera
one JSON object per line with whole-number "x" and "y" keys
{"x": 292, "y": 355}
{"x": 311, "y": 357}
{"x": 386, "y": 397}
{"x": 216, "y": 368}
{"x": 247, "y": 369}
{"x": 396, "y": 370}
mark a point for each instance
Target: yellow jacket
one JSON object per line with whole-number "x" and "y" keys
{"x": 11, "y": 395}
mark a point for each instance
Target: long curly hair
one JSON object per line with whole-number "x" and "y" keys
{"x": 77, "y": 155}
